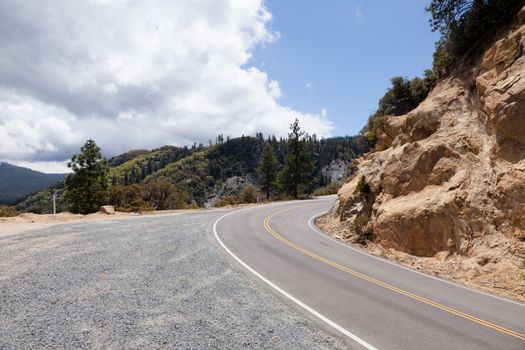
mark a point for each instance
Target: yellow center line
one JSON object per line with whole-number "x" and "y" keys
{"x": 383, "y": 284}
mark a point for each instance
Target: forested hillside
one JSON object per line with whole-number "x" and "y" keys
{"x": 202, "y": 172}
{"x": 17, "y": 182}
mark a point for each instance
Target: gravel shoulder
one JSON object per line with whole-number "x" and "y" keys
{"x": 138, "y": 282}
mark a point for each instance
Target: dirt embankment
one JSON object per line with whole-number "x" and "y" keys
{"x": 447, "y": 189}
{"x": 29, "y": 221}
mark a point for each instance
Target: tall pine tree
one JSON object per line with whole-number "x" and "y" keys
{"x": 87, "y": 188}
{"x": 299, "y": 165}
{"x": 268, "y": 169}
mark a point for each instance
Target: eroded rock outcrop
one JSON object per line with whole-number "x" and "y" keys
{"x": 449, "y": 177}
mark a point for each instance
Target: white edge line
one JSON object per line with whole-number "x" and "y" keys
{"x": 286, "y": 294}
{"x": 315, "y": 229}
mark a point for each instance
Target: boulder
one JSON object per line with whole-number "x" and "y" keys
{"x": 421, "y": 224}
{"x": 107, "y": 209}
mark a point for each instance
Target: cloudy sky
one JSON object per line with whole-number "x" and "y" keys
{"x": 140, "y": 74}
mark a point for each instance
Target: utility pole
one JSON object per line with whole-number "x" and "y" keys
{"x": 54, "y": 202}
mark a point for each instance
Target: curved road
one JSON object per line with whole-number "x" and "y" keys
{"x": 368, "y": 301}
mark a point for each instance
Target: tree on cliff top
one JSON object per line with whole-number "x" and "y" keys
{"x": 463, "y": 23}
{"x": 87, "y": 188}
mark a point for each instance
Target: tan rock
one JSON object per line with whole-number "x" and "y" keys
{"x": 379, "y": 251}
{"x": 506, "y": 51}
{"x": 389, "y": 130}
{"x": 107, "y": 209}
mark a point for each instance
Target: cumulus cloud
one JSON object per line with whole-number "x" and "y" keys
{"x": 134, "y": 74}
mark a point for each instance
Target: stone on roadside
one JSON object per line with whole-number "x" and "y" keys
{"x": 107, "y": 209}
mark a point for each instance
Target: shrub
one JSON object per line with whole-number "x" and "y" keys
{"x": 361, "y": 221}
{"x": 363, "y": 186}
{"x": 352, "y": 168}
{"x": 7, "y": 211}
{"x": 163, "y": 195}
{"x": 331, "y": 188}
{"x": 226, "y": 200}
{"x": 157, "y": 195}
{"x": 360, "y": 226}
{"x": 248, "y": 195}
{"x": 403, "y": 96}
{"x": 128, "y": 198}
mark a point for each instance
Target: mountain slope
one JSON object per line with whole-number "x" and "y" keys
{"x": 207, "y": 173}
{"x": 17, "y": 182}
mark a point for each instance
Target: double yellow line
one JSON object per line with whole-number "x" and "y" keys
{"x": 383, "y": 284}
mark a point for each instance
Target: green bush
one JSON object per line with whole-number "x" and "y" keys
{"x": 7, "y": 211}
{"x": 403, "y": 96}
{"x": 361, "y": 221}
{"x": 464, "y": 24}
{"x": 363, "y": 186}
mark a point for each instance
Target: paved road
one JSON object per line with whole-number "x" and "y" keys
{"x": 140, "y": 283}
{"x": 372, "y": 303}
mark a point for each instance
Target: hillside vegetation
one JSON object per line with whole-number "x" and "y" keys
{"x": 17, "y": 182}
{"x": 203, "y": 175}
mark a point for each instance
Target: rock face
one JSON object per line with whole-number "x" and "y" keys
{"x": 450, "y": 175}
{"x": 336, "y": 171}
{"x": 233, "y": 185}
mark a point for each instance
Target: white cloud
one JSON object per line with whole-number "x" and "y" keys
{"x": 359, "y": 11}
{"x": 308, "y": 85}
{"x": 134, "y": 75}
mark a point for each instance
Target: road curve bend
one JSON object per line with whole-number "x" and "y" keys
{"x": 372, "y": 303}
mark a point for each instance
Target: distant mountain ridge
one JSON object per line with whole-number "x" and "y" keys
{"x": 204, "y": 171}
{"x": 17, "y": 182}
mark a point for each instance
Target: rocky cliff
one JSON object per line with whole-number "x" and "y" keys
{"x": 448, "y": 179}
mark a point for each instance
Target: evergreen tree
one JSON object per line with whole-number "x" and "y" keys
{"x": 87, "y": 188}
{"x": 267, "y": 169}
{"x": 299, "y": 165}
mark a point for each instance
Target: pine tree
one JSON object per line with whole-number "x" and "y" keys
{"x": 268, "y": 169}
{"x": 87, "y": 188}
{"x": 299, "y": 166}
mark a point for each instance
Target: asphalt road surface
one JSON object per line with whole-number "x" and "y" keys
{"x": 256, "y": 278}
{"x": 367, "y": 300}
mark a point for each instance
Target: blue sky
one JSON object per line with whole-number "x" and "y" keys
{"x": 339, "y": 55}
{"x": 159, "y": 72}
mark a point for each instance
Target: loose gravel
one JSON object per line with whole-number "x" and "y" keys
{"x": 138, "y": 283}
